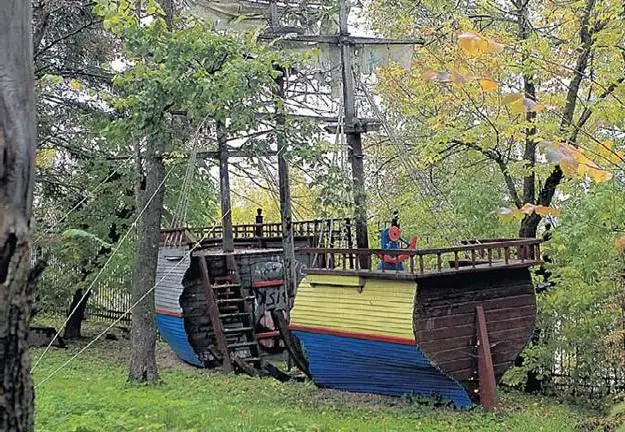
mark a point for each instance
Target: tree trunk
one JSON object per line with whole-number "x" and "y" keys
{"x": 150, "y": 195}
{"x": 74, "y": 324}
{"x": 18, "y": 132}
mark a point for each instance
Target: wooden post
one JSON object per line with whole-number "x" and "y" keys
{"x": 286, "y": 218}
{"x": 224, "y": 178}
{"x": 213, "y": 313}
{"x": 354, "y": 140}
{"x": 486, "y": 371}
{"x": 258, "y": 223}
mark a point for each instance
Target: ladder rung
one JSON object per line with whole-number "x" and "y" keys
{"x": 224, "y": 286}
{"x": 236, "y": 300}
{"x": 234, "y": 315}
{"x": 238, "y": 329}
{"x": 241, "y": 344}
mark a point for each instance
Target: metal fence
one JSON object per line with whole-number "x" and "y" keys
{"x": 110, "y": 295}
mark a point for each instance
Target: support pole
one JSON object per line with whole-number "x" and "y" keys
{"x": 224, "y": 183}
{"x": 286, "y": 217}
{"x": 486, "y": 371}
{"x": 354, "y": 140}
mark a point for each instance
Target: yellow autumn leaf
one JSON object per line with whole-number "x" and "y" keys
{"x": 606, "y": 152}
{"x": 45, "y": 158}
{"x": 587, "y": 167}
{"x": 470, "y": 42}
{"x": 488, "y": 84}
{"x": 527, "y": 208}
{"x": 517, "y": 107}
{"x": 75, "y": 85}
{"x": 546, "y": 211}
{"x": 620, "y": 243}
{"x": 473, "y": 43}
{"x": 511, "y": 97}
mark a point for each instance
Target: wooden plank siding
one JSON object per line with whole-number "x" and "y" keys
{"x": 445, "y": 326}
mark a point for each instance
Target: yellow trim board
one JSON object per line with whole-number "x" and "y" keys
{"x": 335, "y": 280}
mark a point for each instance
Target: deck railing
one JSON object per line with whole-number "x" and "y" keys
{"x": 500, "y": 253}
{"x": 326, "y": 228}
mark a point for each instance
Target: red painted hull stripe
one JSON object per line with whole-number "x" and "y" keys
{"x": 372, "y": 337}
{"x": 170, "y": 313}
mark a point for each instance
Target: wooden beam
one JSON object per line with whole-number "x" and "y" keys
{"x": 486, "y": 371}
{"x": 354, "y": 140}
{"x": 359, "y": 126}
{"x": 213, "y": 313}
{"x": 336, "y": 40}
{"x": 286, "y": 217}
{"x": 232, "y": 154}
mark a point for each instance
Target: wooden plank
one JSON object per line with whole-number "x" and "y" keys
{"x": 334, "y": 280}
{"x": 466, "y": 306}
{"x": 354, "y": 139}
{"x": 268, "y": 283}
{"x": 213, "y": 311}
{"x": 405, "y": 275}
{"x": 486, "y": 372}
{"x": 439, "y": 322}
{"x": 290, "y": 342}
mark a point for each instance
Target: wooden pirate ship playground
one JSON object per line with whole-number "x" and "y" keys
{"x": 444, "y": 322}
{"x": 400, "y": 319}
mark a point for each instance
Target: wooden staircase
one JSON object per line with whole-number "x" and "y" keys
{"x": 232, "y": 318}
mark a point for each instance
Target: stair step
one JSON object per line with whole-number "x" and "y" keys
{"x": 236, "y": 300}
{"x": 238, "y": 329}
{"x": 235, "y": 315}
{"x": 226, "y": 285}
{"x": 227, "y": 278}
{"x": 242, "y": 344}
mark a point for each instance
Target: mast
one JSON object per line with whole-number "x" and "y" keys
{"x": 286, "y": 218}
{"x": 354, "y": 139}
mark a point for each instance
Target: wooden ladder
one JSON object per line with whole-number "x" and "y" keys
{"x": 232, "y": 318}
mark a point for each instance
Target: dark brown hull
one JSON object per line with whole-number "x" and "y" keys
{"x": 445, "y": 320}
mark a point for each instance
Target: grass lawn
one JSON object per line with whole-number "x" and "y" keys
{"x": 90, "y": 394}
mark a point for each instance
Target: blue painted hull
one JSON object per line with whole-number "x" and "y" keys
{"x": 367, "y": 366}
{"x": 172, "y": 331}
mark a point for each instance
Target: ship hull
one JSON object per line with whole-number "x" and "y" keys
{"x": 362, "y": 365}
{"x": 410, "y": 336}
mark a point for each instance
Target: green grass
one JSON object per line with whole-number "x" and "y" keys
{"x": 91, "y": 395}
